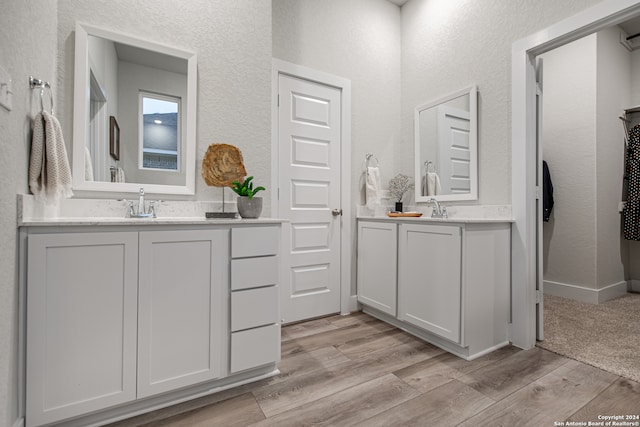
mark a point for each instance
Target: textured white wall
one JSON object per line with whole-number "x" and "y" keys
{"x": 233, "y": 42}
{"x": 27, "y": 47}
{"x": 447, "y": 45}
{"x": 613, "y": 95}
{"x": 569, "y": 147}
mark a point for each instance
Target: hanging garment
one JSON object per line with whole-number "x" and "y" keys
{"x": 547, "y": 192}
{"x": 631, "y": 211}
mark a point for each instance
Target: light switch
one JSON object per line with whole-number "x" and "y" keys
{"x": 6, "y": 91}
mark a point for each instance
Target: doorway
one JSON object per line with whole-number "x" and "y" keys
{"x": 310, "y": 163}
{"x": 524, "y": 164}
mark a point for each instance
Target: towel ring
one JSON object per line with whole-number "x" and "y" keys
{"x": 39, "y": 83}
{"x": 370, "y": 160}
{"x": 427, "y": 164}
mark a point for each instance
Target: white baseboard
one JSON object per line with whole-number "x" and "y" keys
{"x": 19, "y": 422}
{"x": 590, "y": 295}
{"x": 634, "y": 285}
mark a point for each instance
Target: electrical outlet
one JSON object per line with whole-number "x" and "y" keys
{"x": 6, "y": 93}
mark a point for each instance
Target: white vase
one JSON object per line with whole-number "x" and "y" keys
{"x": 249, "y": 208}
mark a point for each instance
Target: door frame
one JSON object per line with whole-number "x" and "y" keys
{"x": 523, "y": 145}
{"x": 348, "y": 302}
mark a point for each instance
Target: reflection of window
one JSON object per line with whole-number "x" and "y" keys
{"x": 160, "y": 132}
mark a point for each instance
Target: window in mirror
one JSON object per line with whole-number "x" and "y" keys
{"x": 159, "y": 132}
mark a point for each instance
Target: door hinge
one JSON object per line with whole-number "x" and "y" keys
{"x": 538, "y": 296}
{"x": 278, "y": 101}
{"x": 538, "y": 192}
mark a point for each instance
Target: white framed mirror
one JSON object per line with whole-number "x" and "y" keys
{"x": 134, "y": 121}
{"x": 446, "y": 147}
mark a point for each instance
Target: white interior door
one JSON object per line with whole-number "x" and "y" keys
{"x": 539, "y": 207}
{"x": 309, "y": 173}
{"x": 454, "y": 127}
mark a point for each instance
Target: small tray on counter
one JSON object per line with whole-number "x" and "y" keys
{"x": 404, "y": 214}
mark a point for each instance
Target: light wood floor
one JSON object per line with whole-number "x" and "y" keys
{"x": 356, "y": 370}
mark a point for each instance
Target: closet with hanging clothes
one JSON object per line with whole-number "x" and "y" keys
{"x": 631, "y": 209}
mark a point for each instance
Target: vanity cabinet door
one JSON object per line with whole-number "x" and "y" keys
{"x": 81, "y": 323}
{"x": 183, "y": 314}
{"x": 429, "y": 278}
{"x": 377, "y": 265}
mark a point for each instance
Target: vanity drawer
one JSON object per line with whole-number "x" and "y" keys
{"x": 254, "y": 241}
{"x": 254, "y": 307}
{"x": 254, "y": 272}
{"x": 255, "y": 347}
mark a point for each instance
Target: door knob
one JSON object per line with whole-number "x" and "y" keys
{"x": 336, "y": 212}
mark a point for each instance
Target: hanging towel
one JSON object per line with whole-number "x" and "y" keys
{"x": 631, "y": 211}
{"x": 547, "y": 192}
{"x": 120, "y": 175}
{"x": 432, "y": 184}
{"x": 372, "y": 187}
{"x": 49, "y": 172}
{"x": 88, "y": 165}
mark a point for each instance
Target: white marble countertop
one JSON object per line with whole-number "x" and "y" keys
{"x": 427, "y": 218}
{"x": 111, "y": 221}
{"x": 107, "y": 212}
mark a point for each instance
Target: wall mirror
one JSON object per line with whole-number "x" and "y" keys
{"x": 446, "y": 148}
{"x": 134, "y": 114}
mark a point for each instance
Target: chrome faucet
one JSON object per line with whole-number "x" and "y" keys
{"x": 142, "y": 211}
{"x": 437, "y": 211}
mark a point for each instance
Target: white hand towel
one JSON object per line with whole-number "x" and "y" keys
{"x": 120, "y": 175}
{"x": 88, "y": 165}
{"x": 372, "y": 187}
{"x": 49, "y": 172}
{"x": 433, "y": 184}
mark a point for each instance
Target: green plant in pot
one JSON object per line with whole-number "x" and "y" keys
{"x": 249, "y": 206}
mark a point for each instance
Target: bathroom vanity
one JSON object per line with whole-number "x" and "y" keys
{"x": 445, "y": 281}
{"x": 125, "y": 316}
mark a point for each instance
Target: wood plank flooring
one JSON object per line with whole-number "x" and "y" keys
{"x": 357, "y": 371}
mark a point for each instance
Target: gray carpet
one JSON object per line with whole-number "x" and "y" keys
{"x": 604, "y": 335}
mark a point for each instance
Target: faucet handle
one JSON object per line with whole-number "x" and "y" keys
{"x": 152, "y": 208}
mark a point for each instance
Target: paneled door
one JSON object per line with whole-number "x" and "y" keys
{"x": 309, "y": 166}
{"x": 454, "y": 127}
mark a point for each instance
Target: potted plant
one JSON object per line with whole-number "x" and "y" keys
{"x": 249, "y": 206}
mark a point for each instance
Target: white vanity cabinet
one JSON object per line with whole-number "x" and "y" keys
{"x": 120, "y": 321}
{"x": 377, "y": 265}
{"x": 429, "y": 278}
{"x": 451, "y": 280}
{"x": 182, "y": 308}
{"x": 81, "y": 323}
{"x": 255, "y": 332}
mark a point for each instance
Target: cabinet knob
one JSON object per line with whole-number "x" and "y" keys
{"x": 336, "y": 212}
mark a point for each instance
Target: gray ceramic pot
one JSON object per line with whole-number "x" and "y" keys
{"x": 249, "y": 208}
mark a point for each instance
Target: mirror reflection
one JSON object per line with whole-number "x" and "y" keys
{"x": 446, "y": 148}
{"x": 133, "y": 128}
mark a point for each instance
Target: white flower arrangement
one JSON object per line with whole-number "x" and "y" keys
{"x": 399, "y": 185}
